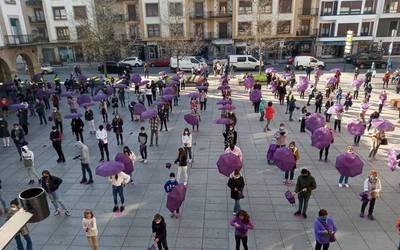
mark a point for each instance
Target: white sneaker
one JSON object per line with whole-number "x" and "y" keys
{"x": 145, "y": 161}
{"x": 67, "y": 213}
{"x": 56, "y": 212}
{"x": 340, "y": 185}
{"x": 346, "y": 185}
{"x": 190, "y": 160}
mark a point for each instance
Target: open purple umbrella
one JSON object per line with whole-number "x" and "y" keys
{"x": 318, "y": 72}
{"x": 302, "y": 85}
{"x": 194, "y": 95}
{"x": 139, "y": 108}
{"x": 168, "y": 91}
{"x": 270, "y": 152}
{"x": 227, "y": 163}
{"x": 82, "y": 78}
{"x": 357, "y": 82}
{"x": 191, "y": 119}
{"x": 273, "y": 86}
{"x": 382, "y": 124}
{"x": 136, "y": 79}
{"x": 224, "y": 121}
{"x": 87, "y": 104}
{"x": 100, "y": 96}
{"x": 148, "y": 114}
{"x": 175, "y": 78}
{"x": 334, "y": 70}
{"x": 331, "y": 81}
{"x": 336, "y": 108}
{"x": 349, "y": 164}
{"x": 16, "y": 106}
{"x": 392, "y": 160}
{"x": 255, "y": 95}
{"x": 83, "y": 99}
{"x": 364, "y": 105}
{"x": 270, "y": 70}
{"x": 124, "y": 159}
{"x": 284, "y": 159}
{"x": 160, "y": 102}
{"x": 73, "y": 115}
{"x": 109, "y": 168}
{"x": 37, "y": 77}
{"x": 168, "y": 97}
{"x": 321, "y": 138}
{"x": 227, "y": 107}
{"x": 176, "y": 197}
{"x": 356, "y": 127}
{"x": 249, "y": 82}
{"x": 120, "y": 86}
{"x": 110, "y": 90}
{"x": 222, "y": 87}
{"x": 223, "y": 102}
{"x": 315, "y": 121}
{"x": 68, "y": 93}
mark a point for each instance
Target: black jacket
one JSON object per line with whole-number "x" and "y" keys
{"x": 160, "y": 229}
{"x": 52, "y": 184}
{"x": 238, "y": 184}
{"x": 117, "y": 125}
{"x": 88, "y": 115}
{"x": 77, "y": 125}
{"x": 182, "y": 159}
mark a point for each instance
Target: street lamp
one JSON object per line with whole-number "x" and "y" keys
{"x": 394, "y": 32}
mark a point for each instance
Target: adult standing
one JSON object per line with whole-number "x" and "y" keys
{"x": 101, "y": 136}
{"x": 187, "y": 142}
{"x": 203, "y": 100}
{"x": 72, "y": 104}
{"x": 4, "y": 132}
{"x": 304, "y": 186}
{"x": 382, "y": 100}
{"x": 182, "y": 166}
{"x": 318, "y": 102}
{"x": 146, "y": 70}
{"x": 292, "y": 107}
{"x": 89, "y": 117}
{"x": 149, "y": 95}
{"x": 77, "y": 128}
{"x": 51, "y": 184}
{"x": 324, "y": 230}
{"x": 372, "y": 187}
{"x": 56, "y": 138}
{"x": 290, "y": 174}
{"x": 103, "y": 110}
{"x": 281, "y": 136}
{"x": 28, "y": 159}
{"x": 326, "y": 149}
{"x": 118, "y": 182}
{"x": 230, "y": 136}
{"x": 84, "y": 156}
{"x": 374, "y": 115}
{"x": 23, "y": 119}
{"x": 236, "y": 184}
{"x": 40, "y": 110}
{"x": 242, "y": 224}
{"x": 24, "y": 231}
{"x": 117, "y": 124}
{"x": 153, "y": 124}
{"x": 162, "y": 113}
{"x": 329, "y": 103}
{"x": 129, "y": 153}
{"x": 338, "y": 120}
{"x": 18, "y": 137}
{"x": 142, "y": 139}
{"x": 57, "y": 119}
{"x": 376, "y": 141}
{"x": 159, "y": 229}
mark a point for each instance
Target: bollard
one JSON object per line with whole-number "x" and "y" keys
{"x": 34, "y": 200}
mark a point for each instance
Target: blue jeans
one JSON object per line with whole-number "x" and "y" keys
{"x": 118, "y": 190}
{"x": 303, "y": 203}
{"x": 236, "y": 207}
{"x": 20, "y": 245}
{"x": 85, "y": 168}
{"x": 343, "y": 178}
{"x": 56, "y": 200}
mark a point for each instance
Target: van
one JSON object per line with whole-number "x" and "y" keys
{"x": 301, "y": 62}
{"x": 186, "y": 63}
{"x": 244, "y": 62}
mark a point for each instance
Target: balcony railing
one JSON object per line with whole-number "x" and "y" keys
{"x": 332, "y": 13}
{"x": 24, "y": 39}
{"x": 310, "y": 32}
{"x": 33, "y": 2}
{"x": 211, "y": 35}
{"x": 330, "y": 34}
{"x": 366, "y": 34}
{"x": 308, "y": 12}
{"x": 210, "y": 14}
{"x": 63, "y": 38}
{"x": 36, "y": 20}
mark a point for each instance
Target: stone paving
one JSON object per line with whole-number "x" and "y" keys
{"x": 207, "y": 209}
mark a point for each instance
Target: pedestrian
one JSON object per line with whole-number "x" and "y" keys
{"x": 318, "y": 102}
{"x": 262, "y": 109}
{"x": 304, "y": 115}
{"x": 242, "y": 224}
{"x": 338, "y": 120}
{"x": 4, "y": 105}
{"x": 230, "y": 136}
{"x": 182, "y": 165}
{"x": 72, "y": 104}
{"x": 356, "y": 91}
{"x": 84, "y": 157}
{"x": 28, "y": 160}
{"x": 343, "y": 180}
{"x": 154, "y": 90}
{"x": 149, "y": 95}
{"x": 292, "y": 107}
{"x": 89, "y": 224}
{"x": 23, "y": 119}
{"x": 56, "y": 139}
{"x": 386, "y": 78}
{"x": 289, "y": 175}
{"x": 103, "y": 110}
{"x": 121, "y": 96}
{"x": 56, "y": 101}
{"x": 398, "y": 229}
{"x": 117, "y": 124}
{"x": 51, "y": 184}
{"x": 329, "y": 103}
{"x": 132, "y": 157}
{"x": 269, "y": 115}
{"x": 281, "y": 136}
{"x": 373, "y": 188}
{"x": 101, "y": 136}
{"x": 311, "y": 94}
{"x": 356, "y": 73}
{"x": 114, "y": 104}
{"x": 162, "y": 113}
{"x": 24, "y": 231}
{"x": 18, "y": 137}
{"x": 304, "y": 186}
{"x": 187, "y": 143}
{"x": 236, "y": 184}
{"x": 196, "y": 114}
{"x": 77, "y": 128}
{"x": 382, "y": 100}
{"x": 324, "y": 230}
{"x": 348, "y": 101}
{"x": 326, "y": 149}
{"x": 142, "y": 139}
{"x": 168, "y": 187}
{"x": 40, "y": 110}
{"x": 339, "y": 95}
{"x": 159, "y": 229}
{"x": 374, "y": 115}
{"x": 131, "y": 107}
{"x": 118, "y": 182}
{"x": 153, "y": 124}
{"x": 89, "y": 117}
{"x": 376, "y": 140}
{"x": 146, "y": 70}
{"x": 57, "y": 119}
{"x": 203, "y": 100}
{"x": 4, "y": 132}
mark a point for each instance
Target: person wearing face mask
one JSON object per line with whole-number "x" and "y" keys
{"x": 281, "y": 136}
{"x": 24, "y": 231}
{"x": 85, "y": 160}
{"x": 101, "y": 136}
{"x": 230, "y": 136}
{"x": 290, "y": 174}
{"x": 236, "y": 184}
{"x": 51, "y": 184}
{"x": 77, "y": 128}
{"x": 372, "y": 187}
{"x": 117, "y": 124}
{"x": 29, "y": 160}
{"x": 57, "y": 119}
{"x": 56, "y": 138}
{"x": 304, "y": 186}
{"x": 235, "y": 150}
{"x": 242, "y": 224}
{"x": 18, "y": 137}
{"x": 4, "y": 132}
{"x": 187, "y": 142}
{"x": 324, "y": 230}
{"x": 168, "y": 187}
{"x": 128, "y": 152}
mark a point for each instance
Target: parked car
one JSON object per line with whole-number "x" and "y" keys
{"x": 364, "y": 61}
{"x": 301, "y": 62}
{"x": 159, "y": 62}
{"x": 244, "y": 62}
{"x": 114, "y": 67}
{"x": 133, "y": 61}
{"x": 186, "y": 63}
{"x": 46, "y": 69}
{"x": 351, "y": 58}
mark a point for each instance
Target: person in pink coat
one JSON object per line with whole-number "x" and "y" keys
{"x": 235, "y": 150}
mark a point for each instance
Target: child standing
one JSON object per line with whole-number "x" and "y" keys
{"x": 90, "y": 226}
{"x": 269, "y": 115}
{"x": 142, "y": 139}
{"x": 168, "y": 187}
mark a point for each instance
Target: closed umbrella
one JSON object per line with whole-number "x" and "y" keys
{"x": 109, "y": 168}
{"x": 191, "y": 119}
{"x": 270, "y": 152}
{"x": 315, "y": 121}
{"x": 222, "y": 87}
{"x": 302, "y": 85}
{"x": 139, "y": 108}
{"x": 382, "y": 124}
{"x": 128, "y": 163}
{"x": 148, "y": 114}
{"x": 284, "y": 159}
{"x": 176, "y": 197}
{"x": 227, "y": 163}
{"x": 349, "y": 164}
{"x": 82, "y": 78}
{"x": 73, "y": 115}
{"x": 321, "y": 138}
{"x": 356, "y": 127}
{"x": 224, "y": 121}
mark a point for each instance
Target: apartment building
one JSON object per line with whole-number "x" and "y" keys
{"x": 388, "y": 20}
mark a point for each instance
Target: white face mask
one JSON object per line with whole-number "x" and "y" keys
{"x": 14, "y": 208}
{"x": 172, "y": 179}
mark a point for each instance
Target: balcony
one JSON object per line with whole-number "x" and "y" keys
{"x": 210, "y": 14}
{"x": 366, "y": 33}
{"x": 34, "y": 20}
{"x": 24, "y": 39}
{"x": 322, "y": 34}
{"x": 310, "y": 12}
{"x": 33, "y": 2}
{"x": 63, "y": 38}
{"x": 310, "y": 32}
{"x": 331, "y": 13}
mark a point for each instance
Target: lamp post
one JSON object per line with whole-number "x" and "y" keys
{"x": 389, "y": 61}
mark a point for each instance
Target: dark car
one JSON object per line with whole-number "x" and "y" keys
{"x": 373, "y": 55}
{"x": 365, "y": 61}
{"x": 159, "y": 62}
{"x": 115, "y": 68}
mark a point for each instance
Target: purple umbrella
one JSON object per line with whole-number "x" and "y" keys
{"x": 336, "y": 108}
{"x": 83, "y": 99}
{"x": 270, "y": 70}
{"x": 290, "y": 197}
{"x": 315, "y": 121}
{"x": 364, "y": 105}
{"x": 110, "y": 90}
{"x": 162, "y": 73}
{"x": 16, "y": 106}
{"x": 223, "y": 102}
{"x": 273, "y": 86}
{"x": 194, "y": 95}
{"x": 357, "y": 83}
{"x": 302, "y": 86}
{"x": 87, "y": 104}
{"x": 37, "y": 77}
{"x": 168, "y": 97}
{"x": 68, "y": 93}
{"x": 392, "y": 160}
{"x": 227, "y": 163}
{"x": 139, "y": 108}
{"x": 227, "y": 107}
{"x": 175, "y": 78}
{"x": 73, "y": 115}
{"x": 120, "y": 86}
{"x": 356, "y": 127}
{"x": 349, "y": 164}
{"x": 334, "y": 70}
{"x": 160, "y": 102}
{"x": 255, "y": 95}
{"x": 382, "y": 124}
{"x": 224, "y": 121}
{"x": 82, "y": 78}
{"x": 222, "y": 87}
{"x": 331, "y": 81}
{"x": 169, "y": 91}
{"x": 136, "y": 78}
{"x": 191, "y": 119}
{"x": 249, "y": 82}
{"x": 124, "y": 159}
{"x": 100, "y": 96}
{"x": 109, "y": 168}
{"x": 176, "y": 197}
{"x": 321, "y": 138}
{"x": 270, "y": 152}
{"x": 318, "y": 72}
{"x": 148, "y": 114}
{"x": 284, "y": 159}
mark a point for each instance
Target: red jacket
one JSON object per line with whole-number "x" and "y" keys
{"x": 269, "y": 113}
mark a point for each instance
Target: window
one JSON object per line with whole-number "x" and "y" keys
{"x": 245, "y": 6}
{"x": 393, "y": 25}
{"x": 329, "y": 8}
{"x": 251, "y": 59}
{"x": 153, "y": 30}
{"x": 10, "y": 2}
{"x": 264, "y": 28}
{"x": 59, "y": 13}
{"x": 366, "y": 28}
{"x": 134, "y": 32}
{"x": 80, "y": 13}
{"x": 265, "y": 6}
{"x": 241, "y": 59}
{"x": 175, "y": 9}
{"x": 198, "y": 9}
{"x": 80, "y": 31}
{"x": 392, "y": 6}
{"x": 283, "y": 27}
{"x": 132, "y": 12}
{"x": 194, "y": 61}
{"x": 62, "y": 33}
{"x": 285, "y": 6}
{"x": 151, "y": 9}
{"x": 39, "y": 14}
{"x": 326, "y": 29}
{"x": 244, "y": 28}
{"x": 369, "y": 7}
{"x": 344, "y": 27}
{"x": 350, "y": 8}
{"x": 176, "y": 29}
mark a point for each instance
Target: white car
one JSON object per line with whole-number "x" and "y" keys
{"x": 46, "y": 69}
{"x": 133, "y": 61}
{"x": 301, "y": 62}
{"x": 244, "y": 62}
{"x": 186, "y": 63}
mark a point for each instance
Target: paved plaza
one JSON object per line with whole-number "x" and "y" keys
{"x": 208, "y": 207}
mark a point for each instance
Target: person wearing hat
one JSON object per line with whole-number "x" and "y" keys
{"x": 304, "y": 186}
{"x": 29, "y": 160}
{"x": 324, "y": 230}
{"x": 57, "y": 119}
{"x": 373, "y": 187}
{"x": 24, "y": 231}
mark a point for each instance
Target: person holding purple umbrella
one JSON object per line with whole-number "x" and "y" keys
{"x": 343, "y": 180}
{"x": 235, "y": 150}
{"x": 77, "y": 128}
{"x": 149, "y": 95}
{"x": 131, "y": 156}
{"x": 290, "y": 174}
{"x": 281, "y": 136}
{"x": 324, "y": 230}
{"x": 236, "y": 184}
{"x": 242, "y": 224}
{"x": 117, "y": 124}
{"x": 326, "y": 149}
{"x": 338, "y": 120}
{"x": 168, "y": 187}
{"x": 230, "y": 136}
{"x": 101, "y": 136}
{"x": 304, "y": 186}
{"x": 118, "y": 182}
